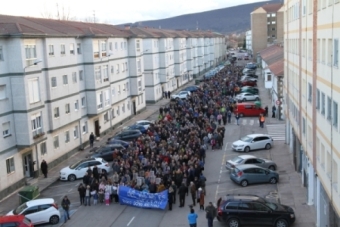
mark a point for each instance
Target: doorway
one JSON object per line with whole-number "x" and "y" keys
{"x": 134, "y": 107}
{"x": 96, "y": 128}
{"x": 28, "y": 165}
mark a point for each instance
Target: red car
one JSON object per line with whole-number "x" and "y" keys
{"x": 15, "y": 220}
{"x": 251, "y": 83}
{"x": 246, "y": 57}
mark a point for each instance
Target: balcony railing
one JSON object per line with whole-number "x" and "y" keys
{"x": 38, "y": 133}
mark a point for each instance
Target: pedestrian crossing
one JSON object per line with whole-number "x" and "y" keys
{"x": 244, "y": 121}
{"x": 277, "y": 131}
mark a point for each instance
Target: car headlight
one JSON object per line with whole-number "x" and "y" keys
{"x": 292, "y": 216}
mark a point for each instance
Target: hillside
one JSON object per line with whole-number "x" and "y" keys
{"x": 225, "y": 21}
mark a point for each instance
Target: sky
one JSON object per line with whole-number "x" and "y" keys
{"x": 113, "y": 11}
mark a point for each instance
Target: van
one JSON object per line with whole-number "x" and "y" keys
{"x": 248, "y": 109}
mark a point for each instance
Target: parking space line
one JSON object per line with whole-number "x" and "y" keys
{"x": 130, "y": 221}
{"x": 222, "y": 168}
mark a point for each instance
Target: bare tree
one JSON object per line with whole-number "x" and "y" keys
{"x": 60, "y": 14}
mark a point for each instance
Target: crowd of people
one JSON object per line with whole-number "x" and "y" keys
{"x": 172, "y": 154}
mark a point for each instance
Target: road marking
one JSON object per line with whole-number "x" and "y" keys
{"x": 251, "y": 122}
{"x": 130, "y": 221}
{"x": 222, "y": 168}
{"x": 70, "y": 190}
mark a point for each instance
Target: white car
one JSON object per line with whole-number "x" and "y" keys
{"x": 39, "y": 211}
{"x": 181, "y": 95}
{"x": 247, "y": 97}
{"x": 78, "y": 169}
{"x": 253, "y": 142}
{"x": 145, "y": 123}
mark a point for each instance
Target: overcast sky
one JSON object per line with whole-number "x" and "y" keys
{"x": 114, "y": 11}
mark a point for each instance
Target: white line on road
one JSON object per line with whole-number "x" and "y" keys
{"x": 130, "y": 221}
{"x": 70, "y": 190}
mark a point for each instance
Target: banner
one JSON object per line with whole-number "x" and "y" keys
{"x": 132, "y": 197}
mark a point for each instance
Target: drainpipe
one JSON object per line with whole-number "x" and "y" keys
{"x": 80, "y": 137}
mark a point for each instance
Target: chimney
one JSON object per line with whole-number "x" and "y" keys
{"x": 127, "y": 27}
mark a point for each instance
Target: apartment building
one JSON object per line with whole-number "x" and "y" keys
{"x": 266, "y": 26}
{"x": 311, "y": 97}
{"x": 248, "y": 42}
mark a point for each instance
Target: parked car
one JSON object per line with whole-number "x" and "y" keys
{"x": 243, "y": 209}
{"x": 248, "y": 109}
{"x": 192, "y": 88}
{"x": 253, "y": 142}
{"x": 252, "y": 90}
{"x": 252, "y": 174}
{"x": 181, "y": 95}
{"x": 106, "y": 152}
{"x": 250, "y": 74}
{"x": 141, "y": 128}
{"x": 115, "y": 141}
{"x": 249, "y": 71}
{"x": 39, "y": 211}
{"x": 78, "y": 169}
{"x": 15, "y": 221}
{"x": 145, "y": 123}
{"x": 246, "y": 57}
{"x": 251, "y": 65}
{"x": 249, "y": 83}
{"x": 128, "y": 135}
{"x": 250, "y": 159}
{"x": 247, "y": 97}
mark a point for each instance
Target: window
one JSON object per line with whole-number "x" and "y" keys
{"x": 31, "y": 54}
{"x": 330, "y": 52}
{"x": 329, "y": 108}
{"x": 118, "y": 90}
{"x": 75, "y": 132}
{"x": 6, "y": 129}
{"x": 1, "y": 54}
{"x": 76, "y": 105}
{"x": 72, "y": 48}
{"x": 54, "y": 81}
{"x": 50, "y": 50}
{"x": 33, "y": 90}
{"x": 273, "y": 15}
{"x": 117, "y": 68}
{"x": 336, "y": 53}
{"x": 112, "y": 69}
{"x": 103, "y": 48}
{"x": 81, "y": 76}
{"x": 303, "y": 125}
{"x": 273, "y": 36}
{"x": 126, "y": 66}
{"x": 116, "y": 45}
{"x": 113, "y": 91}
{"x": 105, "y": 73}
{"x": 99, "y": 100}
{"x": 318, "y": 99}
{"x": 137, "y": 45}
{"x": 83, "y": 102}
{"x": 74, "y": 77}
{"x": 106, "y": 117}
{"x": 36, "y": 124}
{"x": 273, "y": 22}
{"x": 139, "y": 66}
{"x": 323, "y": 103}
{"x": 3, "y": 92}
{"x": 107, "y": 97}
{"x": 65, "y": 79}
{"x": 309, "y": 92}
{"x": 110, "y": 46}
{"x": 118, "y": 108}
{"x": 10, "y": 165}
{"x": 62, "y": 49}
{"x": 78, "y": 48}
{"x": 139, "y": 85}
{"x": 67, "y": 108}
{"x": 97, "y": 74}
{"x": 85, "y": 127}
{"x": 43, "y": 148}
{"x": 96, "y": 49}
{"x": 56, "y": 112}
{"x": 56, "y": 142}
{"x": 127, "y": 86}
{"x": 67, "y": 136}
{"x": 335, "y": 114}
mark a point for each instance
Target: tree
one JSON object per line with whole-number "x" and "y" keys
{"x": 60, "y": 14}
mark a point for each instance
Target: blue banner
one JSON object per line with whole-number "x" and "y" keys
{"x": 132, "y": 197}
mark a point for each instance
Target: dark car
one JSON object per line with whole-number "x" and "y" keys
{"x": 251, "y": 83}
{"x": 192, "y": 88}
{"x": 106, "y": 152}
{"x": 250, "y": 74}
{"x": 242, "y": 209}
{"x": 141, "y": 128}
{"x": 251, "y": 65}
{"x": 251, "y": 90}
{"x": 128, "y": 135}
{"x": 115, "y": 141}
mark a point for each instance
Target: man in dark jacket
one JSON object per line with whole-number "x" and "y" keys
{"x": 210, "y": 214}
{"x": 86, "y": 179}
{"x": 174, "y": 188}
{"x": 182, "y": 191}
{"x": 65, "y": 204}
{"x": 44, "y": 168}
{"x": 169, "y": 93}
{"x": 95, "y": 172}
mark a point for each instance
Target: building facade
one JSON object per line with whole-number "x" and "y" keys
{"x": 249, "y": 42}
{"x": 312, "y": 96}
{"x": 266, "y": 26}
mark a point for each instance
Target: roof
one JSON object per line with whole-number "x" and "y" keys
{"x": 273, "y": 56}
{"x": 270, "y": 8}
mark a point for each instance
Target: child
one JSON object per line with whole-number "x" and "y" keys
{"x": 95, "y": 197}
{"x": 101, "y": 195}
{"x": 107, "y": 198}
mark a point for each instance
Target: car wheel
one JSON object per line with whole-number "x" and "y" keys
{"x": 72, "y": 177}
{"x": 271, "y": 168}
{"x": 233, "y": 222}
{"x": 257, "y": 99}
{"x": 268, "y": 146}
{"x": 244, "y": 100}
{"x": 54, "y": 220}
{"x": 281, "y": 223}
{"x": 247, "y": 149}
{"x": 244, "y": 183}
{"x": 273, "y": 180}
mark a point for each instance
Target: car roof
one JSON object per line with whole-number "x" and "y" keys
{"x": 255, "y": 135}
{"x": 140, "y": 121}
{"x": 248, "y": 166}
{"x": 11, "y": 218}
{"x": 242, "y": 197}
{"x": 39, "y": 202}
{"x": 246, "y": 156}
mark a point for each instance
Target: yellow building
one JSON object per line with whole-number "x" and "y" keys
{"x": 311, "y": 99}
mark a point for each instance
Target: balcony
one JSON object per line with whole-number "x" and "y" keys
{"x": 38, "y": 133}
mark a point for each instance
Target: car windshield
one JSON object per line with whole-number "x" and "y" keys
{"x": 73, "y": 166}
{"x": 273, "y": 206}
{"x": 246, "y": 139}
{"x": 237, "y": 160}
{"x": 20, "y": 208}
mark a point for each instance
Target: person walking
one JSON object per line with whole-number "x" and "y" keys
{"x": 82, "y": 191}
{"x": 87, "y": 196}
{"x": 192, "y": 218}
{"x": 210, "y": 214}
{"x": 66, "y": 207}
{"x": 170, "y": 197}
{"x": 266, "y": 111}
{"x": 174, "y": 188}
{"x": 165, "y": 94}
{"x": 44, "y": 168}
{"x": 229, "y": 116}
{"x": 273, "y": 111}
{"x": 169, "y": 93}
{"x": 237, "y": 118}
{"x": 91, "y": 138}
{"x": 261, "y": 119}
{"x": 193, "y": 193}
{"x": 201, "y": 198}
{"x": 182, "y": 191}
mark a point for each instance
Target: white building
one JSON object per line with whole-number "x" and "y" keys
{"x": 249, "y": 42}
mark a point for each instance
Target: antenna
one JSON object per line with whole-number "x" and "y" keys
{"x": 58, "y": 16}
{"x": 94, "y": 16}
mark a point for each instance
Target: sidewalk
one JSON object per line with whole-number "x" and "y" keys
{"x": 150, "y": 113}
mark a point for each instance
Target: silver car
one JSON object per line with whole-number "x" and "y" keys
{"x": 252, "y": 174}
{"x": 250, "y": 159}
{"x": 253, "y": 142}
